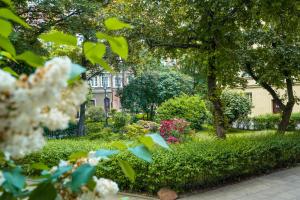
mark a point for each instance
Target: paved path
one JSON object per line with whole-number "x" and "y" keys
{"x": 281, "y": 185}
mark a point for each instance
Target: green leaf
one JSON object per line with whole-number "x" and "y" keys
{"x": 39, "y": 166}
{"x": 59, "y": 38}
{"x": 31, "y": 59}
{"x": 119, "y": 145}
{"x": 105, "y": 152}
{"x": 115, "y": 24}
{"x": 7, "y": 46}
{"x": 8, "y": 14}
{"x": 76, "y": 71}
{"x": 75, "y": 156}
{"x": 11, "y": 71}
{"x": 159, "y": 140}
{"x": 141, "y": 152}
{"x": 8, "y": 55}
{"x": 147, "y": 141}
{"x": 127, "y": 170}
{"x": 14, "y": 179}
{"x": 118, "y": 45}
{"x": 94, "y": 51}
{"x": 45, "y": 190}
{"x": 60, "y": 171}
{"x": 6, "y": 28}
{"x": 81, "y": 176}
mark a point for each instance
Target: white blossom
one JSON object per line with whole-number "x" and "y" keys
{"x": 105, "y": 187}
{"x": 30, "y": 103}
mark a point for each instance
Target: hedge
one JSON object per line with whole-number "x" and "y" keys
{"x": 192, "y": 165}
{"x": 268, "y": 121}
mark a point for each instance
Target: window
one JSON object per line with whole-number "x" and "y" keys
{"x": 105, "y": 81}
{"x": 249, "y": 96}
{"x": 94, "y": 81}
{"x": 275, "y": 106}
{"x": 117, "y": 81}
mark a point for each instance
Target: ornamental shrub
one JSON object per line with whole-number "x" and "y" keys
{"x": 173, "y": 130}
{"x": 190, "y": 108}
{"x": 120, "y": 120}
{"x": 149, "y": 125}
{"x": 95, "y": 114}
{"x": 132, "y": 131}
{"x": 189, "y": 166}
{"x": 268, "y": 121}
{"x": 236, "y": 105}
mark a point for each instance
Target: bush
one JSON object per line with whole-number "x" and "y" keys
{"x": 94, "y": 127}
{"x": 173, "y": 130}
{"x": 236, "y": 105}
{"x": 188, "y": 166}
{"x": 149, "y": 125}
{"x": 190, "y": 108}
{"x": 68, "y": 132}
{"x": 95, "y": 114}
{"x": 120, "y": 120}
{"x": 106, "y": 134}
{"x": 268, "y": 121}
{"x": 132, "y": 131}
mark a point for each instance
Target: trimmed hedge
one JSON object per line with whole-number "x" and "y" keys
{"x": 268, "y": 121}
{"x": 191, "y": 165}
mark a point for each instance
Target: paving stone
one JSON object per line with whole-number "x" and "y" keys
{"x": 282, "y": 185}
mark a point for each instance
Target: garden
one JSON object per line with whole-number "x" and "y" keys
{"x": 182, "y": 122}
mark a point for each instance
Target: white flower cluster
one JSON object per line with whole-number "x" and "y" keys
{"x": 105, "y": 189}
{"x": 29, "y": 103}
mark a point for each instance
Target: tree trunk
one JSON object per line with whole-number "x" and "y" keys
{"x": 288, "y": 108}
{"x": 214, "y": 97}
{"x": 81, "y": 125}
{"x": 285, "y": 118}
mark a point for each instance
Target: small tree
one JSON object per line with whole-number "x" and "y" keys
{"x": 236, "y": 105}
{"x": 190, "y": 108}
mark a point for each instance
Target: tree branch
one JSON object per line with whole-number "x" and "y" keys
{"x": 152, "y": 44}
{"x": 265, "y": 85}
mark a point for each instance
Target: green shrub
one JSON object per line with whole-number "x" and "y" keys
{"x": 190, "y": 108}
{"x": 132, "y": 131}
{"x": 95, "y": 114}
{"x": 68, "y": 132}
{"x": 268, "y": 121}
{"x": 149, "y": 125}
{"x": 120, "y": 120}
{"x": 236, "y": 105}
{"x": 94, "y": 127}
{"x": 188, "y": 166}
{"x": 106, "y": 134}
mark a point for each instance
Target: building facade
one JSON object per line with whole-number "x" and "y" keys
{"x": 262, "y": 101}
{"x": 107, "y": 84}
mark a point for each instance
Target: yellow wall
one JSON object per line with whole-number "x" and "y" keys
{"x": 262, "y": 100}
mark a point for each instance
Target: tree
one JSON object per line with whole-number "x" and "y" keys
{"x": 270, "y": 51}
{"x": 148, "y": 90}
{"x": 209, "y": 29}
{"x": 236, "y": 105}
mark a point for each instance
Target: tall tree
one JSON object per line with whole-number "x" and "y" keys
{"x": 148, "y": 90}
{"x": 209, "y": 28}
{"x": 271, "y": 51}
